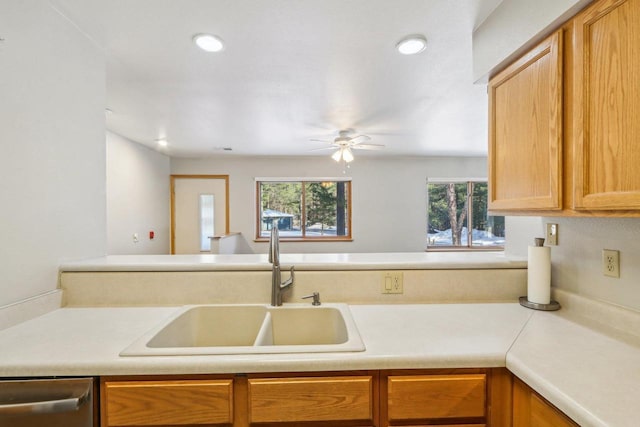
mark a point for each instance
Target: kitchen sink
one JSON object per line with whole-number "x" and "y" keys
{"x": 211, "y": 326}
{"x": 251, "y": 329}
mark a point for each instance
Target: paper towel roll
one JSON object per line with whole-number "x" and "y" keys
{"x": 539, "y": 275}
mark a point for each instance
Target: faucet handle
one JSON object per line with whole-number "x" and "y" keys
{"x": 315, "y": 296}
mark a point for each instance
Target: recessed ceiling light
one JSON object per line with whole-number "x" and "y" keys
{"x": 208, "y": 42}
{"x": 162, "y": 142}
{"x": 412, "y": 44}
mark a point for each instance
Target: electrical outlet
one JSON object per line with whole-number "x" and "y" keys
{"x": 611, "y": 263}
{"x": 552, "y": 235}
{"x": 392, "y": 282}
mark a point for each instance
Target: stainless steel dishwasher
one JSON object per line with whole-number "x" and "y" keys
{"x": 59, "y": 402}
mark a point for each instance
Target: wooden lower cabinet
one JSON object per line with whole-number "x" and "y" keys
{"x": 459, "y": 397}
{"x": 166, "y": 402}
{"x": 386, "y": 398}
{"x": 343, "y": 399}
{"x": 532, "y": 410}
{"x": 335, "y": 400}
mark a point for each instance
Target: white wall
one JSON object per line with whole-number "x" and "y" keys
{"x": 577, "y": 260}
{"x": 52, "y": 143}
{"x": 389, "y": 195}
{"x": 513, "y": 27}
{"x": 137, "y": 198}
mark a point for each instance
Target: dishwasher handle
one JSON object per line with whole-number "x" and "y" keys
{"x": 46, "y": 406}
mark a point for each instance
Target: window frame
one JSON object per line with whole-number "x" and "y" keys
{"x": 303, "y": 180}
{"x": 469, "y": 246}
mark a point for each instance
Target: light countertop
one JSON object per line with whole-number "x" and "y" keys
{"x": 589, "y": 375}
{"x": 87, "y": 341}
{"x": 592, "y": 377}
{"x": 345, "y": 261}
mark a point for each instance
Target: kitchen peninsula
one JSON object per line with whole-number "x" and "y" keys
{"x": 486, "y": 329}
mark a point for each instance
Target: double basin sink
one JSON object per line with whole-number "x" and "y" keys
{"x": 251, "y": 329}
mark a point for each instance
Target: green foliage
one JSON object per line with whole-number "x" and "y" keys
{"x": 438, "y": 212}
{"x": 324, "y": 203}
{"x": 480, "y": 220}
{"x": 282, "y": 196}
{"x": 448, "y": 207}
{"x": 321, "y": 203}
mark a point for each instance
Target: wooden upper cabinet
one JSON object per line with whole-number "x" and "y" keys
{"x": 525, "y": 131}
{"x": 606, "y": 106}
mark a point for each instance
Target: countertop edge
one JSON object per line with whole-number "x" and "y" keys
{"x": 552, "y": 393}
{"x": 302, "y": 262}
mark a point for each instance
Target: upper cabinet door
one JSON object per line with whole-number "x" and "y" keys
{"x": 525, "y": 131}
{"x": 606, "y": 113}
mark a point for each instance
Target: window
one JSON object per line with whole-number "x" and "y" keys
{"x": 310, "y": 209}
{"x": 454, "y": 208}
{"x": 207, "y": 216}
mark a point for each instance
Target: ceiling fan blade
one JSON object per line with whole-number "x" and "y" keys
{"x": 363, "y": 137}
{"x": 330, "y": 147}
{"x": 321, "y": 140}
{"x": 367, "y": 146}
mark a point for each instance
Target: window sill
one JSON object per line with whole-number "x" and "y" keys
{"x": 306, "y": 239}
{"x": 464, "y": 249}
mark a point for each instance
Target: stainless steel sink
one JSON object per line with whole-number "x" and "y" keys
{"x": 251, "y": 329}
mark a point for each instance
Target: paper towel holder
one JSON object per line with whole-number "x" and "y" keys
{"x": 552, "y": 306}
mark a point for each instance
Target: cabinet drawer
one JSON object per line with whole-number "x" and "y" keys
{"x": 160, "y": 403}
{"x": 310, "y": 399}
{"x": 441, "y": 397}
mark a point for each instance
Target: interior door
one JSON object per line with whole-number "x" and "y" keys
{"x": 199, "y": 209}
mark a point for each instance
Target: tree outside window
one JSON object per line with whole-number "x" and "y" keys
{"x": 456, "y": 207}
{"x": 306, "y": 210}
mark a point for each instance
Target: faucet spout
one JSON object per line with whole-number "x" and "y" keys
{"x": 277, "y": 285}
{"x": 274, "y": 245}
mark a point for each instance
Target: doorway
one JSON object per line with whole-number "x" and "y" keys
{"x": 199, "y": 210}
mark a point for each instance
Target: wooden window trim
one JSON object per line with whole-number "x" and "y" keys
{"x": 258, "y": 210}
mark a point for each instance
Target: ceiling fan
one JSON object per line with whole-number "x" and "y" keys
{"x": 345, "y": 142}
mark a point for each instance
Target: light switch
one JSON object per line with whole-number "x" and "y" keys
{"x": 552, "y": 235}
{"x": 392, "y": 282}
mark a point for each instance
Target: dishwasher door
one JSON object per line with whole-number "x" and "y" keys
{"x": 64, "y": 402}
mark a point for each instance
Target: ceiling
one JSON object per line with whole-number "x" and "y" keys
{"x": 291, "y": 70}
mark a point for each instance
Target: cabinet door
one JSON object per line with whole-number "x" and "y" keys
{"x": 301, "y": 400}
{"x": 426, "y": 399}
{"x": 167, "y": 403}
{"x": 606, "y": 100}
{"x": 531, "y": 410}
{"x": 525, "y": 131}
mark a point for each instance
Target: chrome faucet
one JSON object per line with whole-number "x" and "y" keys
{"x": 277, "y": 286}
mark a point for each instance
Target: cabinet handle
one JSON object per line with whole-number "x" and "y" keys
{"x": 46, "y": 406}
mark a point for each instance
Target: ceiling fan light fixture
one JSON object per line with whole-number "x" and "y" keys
{"x": 347, "y": 155}
{"x": 208, "y": 42}
{"x": 337, "y": 155}
{"x": 412, "y": 44}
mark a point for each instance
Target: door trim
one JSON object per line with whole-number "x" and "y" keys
{"x": 173, "y": 202}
